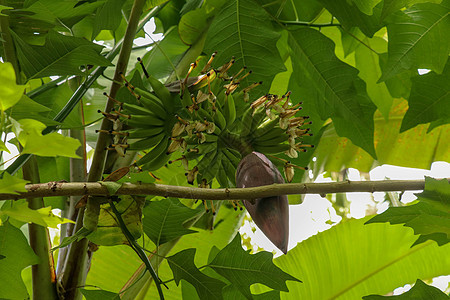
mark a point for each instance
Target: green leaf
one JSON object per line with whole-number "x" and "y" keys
{"x": 367, "y": 62}
{"x": 350, "y": 16}
{"x": 192, "y": 25}
{"x": 29, "y": 109}
{"x": 243, "y": 269}
{"x": 108, "y": 231}
{"x": 183, "y": 267}
{"x": 10, "y": 92}
{"x": 420, "y": 290}
{"x": 336, "y": 84}
{"x": 27, "y": 106}
{"x": 366, "y": 6}
{"x": 437, "y": 193}
{"x": 2, "y": 7}
{"x": 112, "y": 186}
{"x": 18, "y": 255}
{"x": 232, "y": 293}
{"x": 60, "y": 55}
{"x": 334, "y": 153}
{"x": 117, "y": 274}
{"x": 99, "y": 295}
{"x": 29, "y": 134}
{"x": 371, "y": 259}
{"x": 54, "y": 169}
{"x": 79, "y": 235}
{"x": 391, "y": 6}
{"x": 55, "y": 99}
{"x": 430, "y": 217}
{"x": 251, "y": 40}
{"x": 3, "y": 147}
{"x": 143, "y": 177}
{"x": 351, "y": 40}
{"x": 305, "y": 11}
{"x": 108, "y": 16}
{"x": 43, "y": 216}
{"x": 163, "y": 220}
{"x": 429, "y": 100}
{"x": 400, "y": 85}
{"x": 413, "y": 33}
{"x": 161, "y": 60}
{"x": 61, "y": 12}
{"x": 12, "y": 185}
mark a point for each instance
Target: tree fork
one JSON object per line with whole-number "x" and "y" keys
{"x": 50, "y": 189}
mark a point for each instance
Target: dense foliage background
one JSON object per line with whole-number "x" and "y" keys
{"x": 354, "y": 65}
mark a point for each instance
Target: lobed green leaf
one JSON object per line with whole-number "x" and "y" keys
{"x": 60, "y": 55}
{"x": 243, "y": 29}
{"x": 420, "y": 290}
{"x": 17, "y": 255}
{"x": 243, "y": 269}
{"x": 429, "y": 217}
{"x": 429, "y": 100}
{"x": 183, "y": 267}
{"x": 340, "y": 92}
{"x": 164, "y": 219}
{"x": 414, "y": 34}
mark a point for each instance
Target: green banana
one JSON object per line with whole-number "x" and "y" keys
{"x": 153, "y": 106}
{"x": 233, "y": 156}
{"x": 143, "y": 133}
{"x": 158, "y": 162}
{"x": 148, "y": 95}
{"x": 205, "y": 162}
{"x": 272, "y": 149}
{"x": 272, "y": 138}
{"x": 134, "y": 109}
{"x": 221, "y": 175}
{"x": 219, "y": 120}
{"x": 211, "y": 138}
{"x": 229, "y": 110}
{"x": 145, "y": 121}
{"x": 210, "y": 170}
{"x": 161, "y": 91}
{"x": 146, "y": 143}
{"x": 258, "y": 117}
{"x": 190, "y": 155}
{"x": 246, "y": 122}
{"x": 203, "y": 114}
{"x": 206, "y": 148}
{"x": 155, "y": 152}
{"x": 186, "y": 99}
{"x": 229, "y": 168}
{"x": 260, "y": 131}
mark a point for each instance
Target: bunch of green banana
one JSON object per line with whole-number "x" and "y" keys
{"x": 207, "y": 118}
{"x": 145, "y": 122}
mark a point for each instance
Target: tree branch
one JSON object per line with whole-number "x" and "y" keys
{"x": 50, "y": 189}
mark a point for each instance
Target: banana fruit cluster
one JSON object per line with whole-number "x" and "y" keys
{"x": 207, "y": 122}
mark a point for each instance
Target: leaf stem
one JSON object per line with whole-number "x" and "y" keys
{"x": 135, "y": 246}
{"x": 308, "y": 24}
